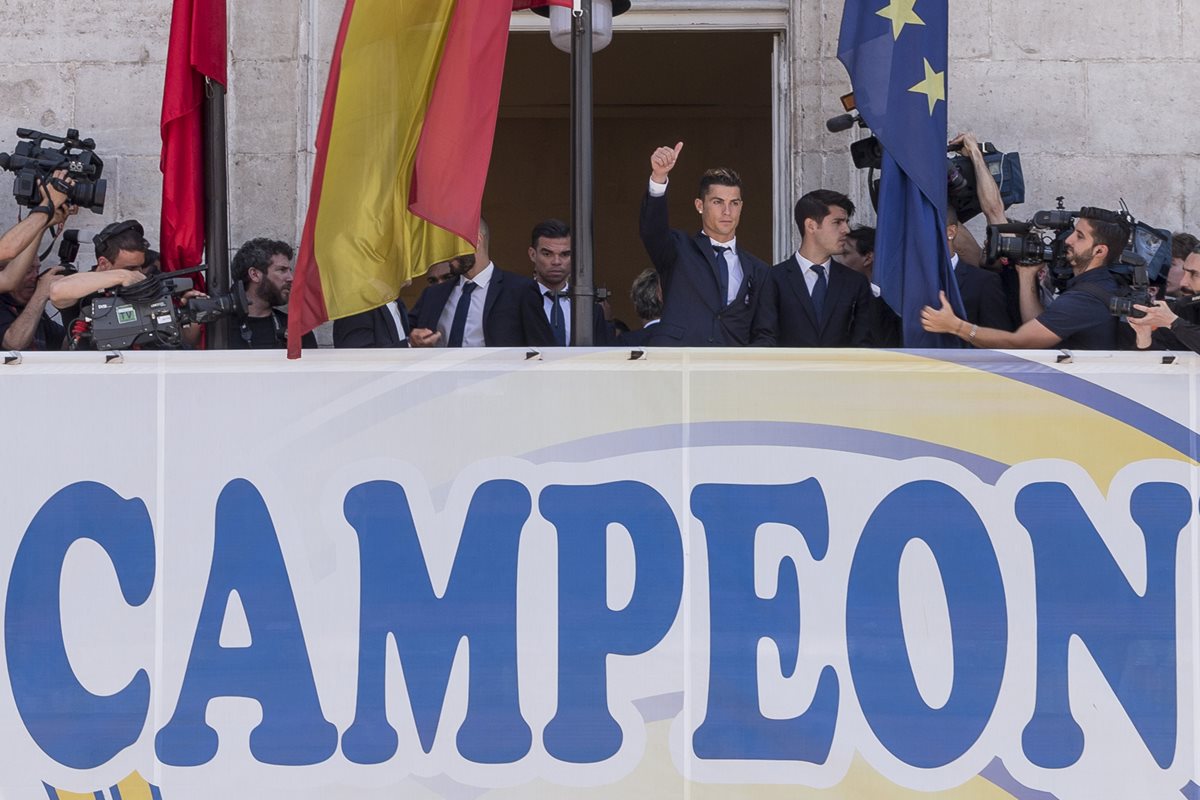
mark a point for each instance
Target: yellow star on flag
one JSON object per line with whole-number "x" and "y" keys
{"x": 933, "y": 87}
{"x": 901, "y": 13}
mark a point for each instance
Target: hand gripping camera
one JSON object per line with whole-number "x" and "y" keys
{"x": 35, "y": 164}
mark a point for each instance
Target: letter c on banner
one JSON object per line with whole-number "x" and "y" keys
{"x": 76, "y": 728}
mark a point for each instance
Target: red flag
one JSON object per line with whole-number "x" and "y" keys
{"x": 197, "y": 49}
{"x": 456, "y": 142}
{"x": 521, "y": 5}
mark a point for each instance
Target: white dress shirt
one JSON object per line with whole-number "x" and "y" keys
{"x": 394, "y": 310}
{"x": 810, "y": 276}
{"x": 473, "y": 333}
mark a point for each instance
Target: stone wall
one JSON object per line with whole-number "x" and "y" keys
{"x": 1097, "y": 96}
{"x": 1096, "y": 100}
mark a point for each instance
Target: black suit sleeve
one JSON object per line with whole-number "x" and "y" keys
{"x": 993, "y": 305}
{"x": 861, "y": 334}
{"x": 354, "y": 332}
{"x": 655, "y": 229}
{"x": 764, "y": 326}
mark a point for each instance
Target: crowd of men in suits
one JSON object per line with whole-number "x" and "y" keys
{"x": 704, "y": 289}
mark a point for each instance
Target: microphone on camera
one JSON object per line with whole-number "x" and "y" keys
{"x": 842, "y": 122}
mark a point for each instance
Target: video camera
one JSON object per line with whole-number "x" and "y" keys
{"x": 35, "y": 164}
{"x": 961, "y": 194}
{"x": 146, "y": 315}
{"x": 1145, "y": 258}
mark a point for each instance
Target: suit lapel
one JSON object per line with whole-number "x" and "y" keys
{"x": 795, "y": 278}
{"x": 709, "y": 255}
{"x": 833, "y": 294}
{"x": 495, "y": 286}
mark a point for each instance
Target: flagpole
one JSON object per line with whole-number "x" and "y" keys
{"x": 583, "y": 289}
{"x": 216, "y": 205}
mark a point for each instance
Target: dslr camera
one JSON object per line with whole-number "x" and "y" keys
{"x": 35, "y": 163}
{"x": 145, "y": 315}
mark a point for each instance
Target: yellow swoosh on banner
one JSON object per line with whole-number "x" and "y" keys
{"x": 656, "y": 777}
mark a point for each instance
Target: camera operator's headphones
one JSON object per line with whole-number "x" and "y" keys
{"x": 115, "y": 229}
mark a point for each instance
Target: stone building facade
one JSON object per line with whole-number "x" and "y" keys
{"x": 1094, "y": 95}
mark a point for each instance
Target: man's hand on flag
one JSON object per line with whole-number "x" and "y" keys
{"x": 663, "y": 161}
{"x": 941, "y": 320}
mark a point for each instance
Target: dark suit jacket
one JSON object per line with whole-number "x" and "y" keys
{"x": 694, "y": 312}
{"x": 603, "y": 334}
{"x": 983, "y": 297}
{"x": 506, "y": 319}
{"x": 885, "y": 327}
{"x": 638, "y": 338}
{"x": 374, "y": 328}
{"x": 787, "y": 318}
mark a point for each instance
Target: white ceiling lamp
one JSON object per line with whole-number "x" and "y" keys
{"x": 603, "y": 12}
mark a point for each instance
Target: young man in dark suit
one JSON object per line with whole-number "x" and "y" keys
{"x": 483, "y": 307}
{"x": 812, "y": 300}
{"x": 710, "y": 285}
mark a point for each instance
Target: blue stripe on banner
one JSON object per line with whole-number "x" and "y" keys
{"x": 155, "y": 793}
{"x": 50, "y": 790}
{"x": 99, "y": 795}
{"x": 114, "y": 792}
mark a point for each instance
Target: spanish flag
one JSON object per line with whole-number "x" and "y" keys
{"x": 402, "y": 151}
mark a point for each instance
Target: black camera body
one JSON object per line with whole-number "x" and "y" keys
{"x": 1041, "y": 241}
{"x": 1136, "y": 293}
{"x": 145, "y": 314}
{"x": 34, "y": 164}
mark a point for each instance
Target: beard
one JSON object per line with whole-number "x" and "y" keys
{"x": 273, "y": 295}
{"x": 462, "y": 265}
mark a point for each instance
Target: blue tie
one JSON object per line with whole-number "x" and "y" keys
{"x": 558, "y": 322}
{"x": 818, "y": 292}
{"x": 459, "y": 325}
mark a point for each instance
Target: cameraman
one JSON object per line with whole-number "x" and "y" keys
{"x": 120, "y": 258}
{"x": 1173, "y": 326}
{"x": 1079, "y": 318}
{"x": 264, "y": 268}
{"x": 24, "y": 324}
{"x": 28, "y": 232}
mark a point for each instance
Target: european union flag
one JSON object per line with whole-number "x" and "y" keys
{"x": 896, "y": 53}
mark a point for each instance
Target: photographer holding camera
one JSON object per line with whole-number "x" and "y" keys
{"x": 27, "y": 233}
{"x": 1173, "y": 325}
{"x": 1079, "y": 318}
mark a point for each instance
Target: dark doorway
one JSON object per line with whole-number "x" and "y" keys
{"x": 712, "y": 90}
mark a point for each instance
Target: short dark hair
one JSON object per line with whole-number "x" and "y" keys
{"x": 257, "y": 254}
{"x": 721, "y": 176}
{"x": 816, "y": 204}
{"x": 127, "y": 235}
{"x": 1183, "y": 245}
{"x": 549, "y": 229}
{"x": 1109, "y": 229}
{"x": 644, "y": 294}
{"x": 863, "y": 239}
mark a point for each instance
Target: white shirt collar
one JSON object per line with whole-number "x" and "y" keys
{"x": 731, "y": 244}
{"x": 806, "y": 265}
{"x": 482, "y": 279}
{"x": 954, "y": 261}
